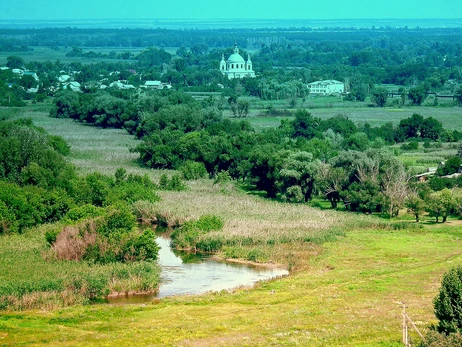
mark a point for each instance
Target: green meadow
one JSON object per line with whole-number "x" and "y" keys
{"x": 451, "y": 117}
{"x": 43, "y": 54}
{"x": 348, "y": 278}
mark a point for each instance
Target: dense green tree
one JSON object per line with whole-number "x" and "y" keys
{"x": 66, "y": 105}
{"x": 199, "y": 49}
{"x": 380, "y": 96}
{"x": 410, "y": 127}
{"x": 448, "y": 302}
{"x": 415, "y": 205}
{"x": 297, "y": 176}
{"x": 331, "y": 181}
{"x": 15, "y": 62}
{"x": 242, "y": 108}
{"x": 417, "y": 95}
{"x": 305, "y": 125}
{"x": 339, "y": 124}
{"x": 450, "y": 166}
{"x": 431, "y": 129}
{"x": 266, "y": 163}
{"x": 356, "y": 142}
{"x": 27, "y": 81}
{"x": 363, "y": 197}
{"x": 441, "y": 205}
{"x": 153, "y": 57}
{"x": 458, "y": 96}
{"x": 359, "y": 92}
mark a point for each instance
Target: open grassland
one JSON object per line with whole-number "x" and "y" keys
{"x": 426, "y": 157}
{"x": 43, "y": 54}
{"x": 345, "y": 292}
{"x": 347, "y": 296}
{"x": 451, "y": 117}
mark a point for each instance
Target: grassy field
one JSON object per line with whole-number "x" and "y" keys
{"x": 451, "y": 117}
{"x": 345, "y": 292}
{"x": 42, "y": 54}
{"x": 349, "y": 295}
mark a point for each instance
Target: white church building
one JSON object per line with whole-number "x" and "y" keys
{"x": 236, "y": 66}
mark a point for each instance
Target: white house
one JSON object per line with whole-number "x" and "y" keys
{"x": 156, "y": 85}
{"x": 326, "y": 87}
{"x": 64, "y": 78}
{"x": 74, "y": 86}
{"x": 120, "y": 85}
{"x": 236, "y": 66}
{"x": 153, "y": 85}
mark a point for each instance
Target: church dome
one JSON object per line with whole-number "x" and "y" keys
{"x": 236, "y": 66}
{"x": 235, "y": 58}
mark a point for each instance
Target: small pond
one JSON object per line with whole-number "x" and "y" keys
{"x": 186, "y": 273}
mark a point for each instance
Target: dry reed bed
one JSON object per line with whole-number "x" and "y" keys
{"x": 254, "y": 217}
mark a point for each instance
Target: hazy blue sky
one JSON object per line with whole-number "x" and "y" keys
{"x": 306, "y": 9}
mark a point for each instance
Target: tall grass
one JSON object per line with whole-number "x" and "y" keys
{"x": 32, "y": 280}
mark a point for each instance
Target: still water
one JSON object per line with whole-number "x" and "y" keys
{"x": 185, "y": 273}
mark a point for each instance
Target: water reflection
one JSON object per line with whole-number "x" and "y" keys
{"x": 185, "y": 273}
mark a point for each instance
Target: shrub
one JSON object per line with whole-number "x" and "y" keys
{"x": 209, "y": 223}
{"x": 8, "y": 222}
{"x": 131, "y": 192}
{"x": 192, "y": 170}
{"x": 435, "y": 339}
{"x": 118, "y": 219}
{"x": 411, "y": 146}
{"x": 112, "y": 237}
{"x": 190, "y": 234}
{"x": 51, "y": 235}
{"x": 222, "y": 177}
{"x": 294, "y": 194}
{"x": 439, "y": 183}
{"x": 141, "y": 247}
{"x": 86, "y": 211}
{"x": 59, "y": 144}
{"x": 255, "y": 255}
{"x": 210, "y": 244}
{"x": 175, "y": 183}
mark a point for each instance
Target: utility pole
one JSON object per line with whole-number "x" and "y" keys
{"x": 405, "y": 335}
{"x": 406, "y": 318}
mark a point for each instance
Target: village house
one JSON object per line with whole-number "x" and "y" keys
{"x": 121, "y": 85}
{"x": 64, "y": 78}
{"x": 156, "y": 85}
{"x": 74, "y": 86}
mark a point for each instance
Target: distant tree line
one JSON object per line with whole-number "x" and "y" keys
{"x": 414, "y": 58}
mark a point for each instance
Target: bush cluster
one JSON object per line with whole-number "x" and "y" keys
{"x": 112, "y": 237}
{"x": 191, "y": 234}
